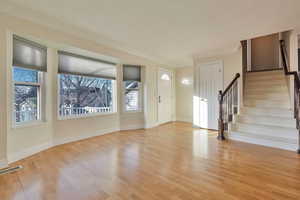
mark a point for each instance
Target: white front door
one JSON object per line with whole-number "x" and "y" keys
{"x": 211, "y": 81}
{"x": 164, "y": 96}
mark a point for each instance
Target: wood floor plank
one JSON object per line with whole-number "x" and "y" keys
{"x": 173, "y": 161}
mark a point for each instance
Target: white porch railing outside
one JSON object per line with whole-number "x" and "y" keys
{"x": 31, "y": 115}
{"x": 74, "y": 111}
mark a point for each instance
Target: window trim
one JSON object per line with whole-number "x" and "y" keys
{"x": 96, "y": 114}
{"x": 140, "y": 104}
{"x": 40, "y": 99}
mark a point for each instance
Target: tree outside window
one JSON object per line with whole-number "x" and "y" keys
{"x": 81, "y": 95}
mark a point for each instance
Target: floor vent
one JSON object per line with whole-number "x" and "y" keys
{"x": 10, "y": 170}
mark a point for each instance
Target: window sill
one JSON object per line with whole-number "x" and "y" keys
{"x": 29, "y": 124}
{"x": 85, "y": 116}
{"x": 132, "y": 111}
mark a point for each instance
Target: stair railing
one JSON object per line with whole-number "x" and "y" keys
{"x": 228, "y": 106}
{"x": 295, "y": 74}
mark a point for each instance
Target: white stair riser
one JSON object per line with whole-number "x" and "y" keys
{"x": 266, "y": 137}
{"x": 265, "y": 78}
{"x": 265, "y": 83}
{"x": 263, "y": 90}
{"x": 291, "y": 146}
{"x": 267, "y": 111}
{"x": 266, "y": 73}
{"x": 262, "y": 76}
{"x": 272, "y": 121}
{"x": 264, "y": 104}
{"x": 262, "y": 93}
{"x": 275, "y": 88}
{"x": 289, "y": 133}
{"x": 268, "y": 96}
{"x": 267, "y": 102}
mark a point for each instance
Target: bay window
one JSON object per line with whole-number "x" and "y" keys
{"x": 86, "y": 86}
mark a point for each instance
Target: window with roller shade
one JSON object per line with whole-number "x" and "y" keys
{"x": 132, "y": 88}
{"x": 86, "y": 85}
{"x": 29, "y": 65}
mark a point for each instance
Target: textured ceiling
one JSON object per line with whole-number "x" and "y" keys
{"x": 168, "y": 31}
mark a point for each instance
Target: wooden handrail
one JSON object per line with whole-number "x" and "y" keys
{"x": 237, "y": 75}
{"x": 296, "y": 87}
{"x": 285, "y": 65}
{"x": 231, "y": 105}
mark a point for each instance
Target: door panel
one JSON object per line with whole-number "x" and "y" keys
{"x": 211, "y": 81}
{"x": 164, "y": 96}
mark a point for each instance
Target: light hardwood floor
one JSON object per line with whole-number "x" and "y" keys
{"x": 173, "y": 161}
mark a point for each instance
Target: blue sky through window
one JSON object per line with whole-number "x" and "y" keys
{"x": 25, "y": 75}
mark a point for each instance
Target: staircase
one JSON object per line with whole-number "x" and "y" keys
{"x": 266, "y": 117}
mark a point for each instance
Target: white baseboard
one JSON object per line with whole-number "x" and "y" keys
{"x": 82, "y": 137}
{"x": 132, "y": 127}
{"x": 36, "y": 149}
{"x": 153, "y": 125}
{"x": 3, "y": 163}
{"x": 28, "y": 152}
{"x": 263, "y": 142}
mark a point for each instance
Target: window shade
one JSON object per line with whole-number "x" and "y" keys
{"x": 28, "y": 54}
{"x": 84, "y": 66}
{"x": 131, "y": 73}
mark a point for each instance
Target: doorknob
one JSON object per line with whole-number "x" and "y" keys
{"x": 159, "y": 101}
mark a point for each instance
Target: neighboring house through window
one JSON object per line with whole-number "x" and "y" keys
{"x": 81, "y": 95}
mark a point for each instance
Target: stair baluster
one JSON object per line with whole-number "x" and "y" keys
{"x": 230, "y": 106}
{"x": 295, "y": 74}
{"x": 227, "y": 102}
{"x": 235, "y": 98}
{"x": 226, "y": 112}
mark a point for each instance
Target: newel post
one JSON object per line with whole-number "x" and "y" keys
{"x": 297, "y": 115}
{"x": 298, "y": 150}
{"x": 221, "y": 120}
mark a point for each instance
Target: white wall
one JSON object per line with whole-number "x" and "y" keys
{"x": 16, "y": 143}
{"x": 265, "y": 52}
{"x": 3, "y": 108}
{"x": 232, "y": 64}
{"x": 184, "y": 94}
